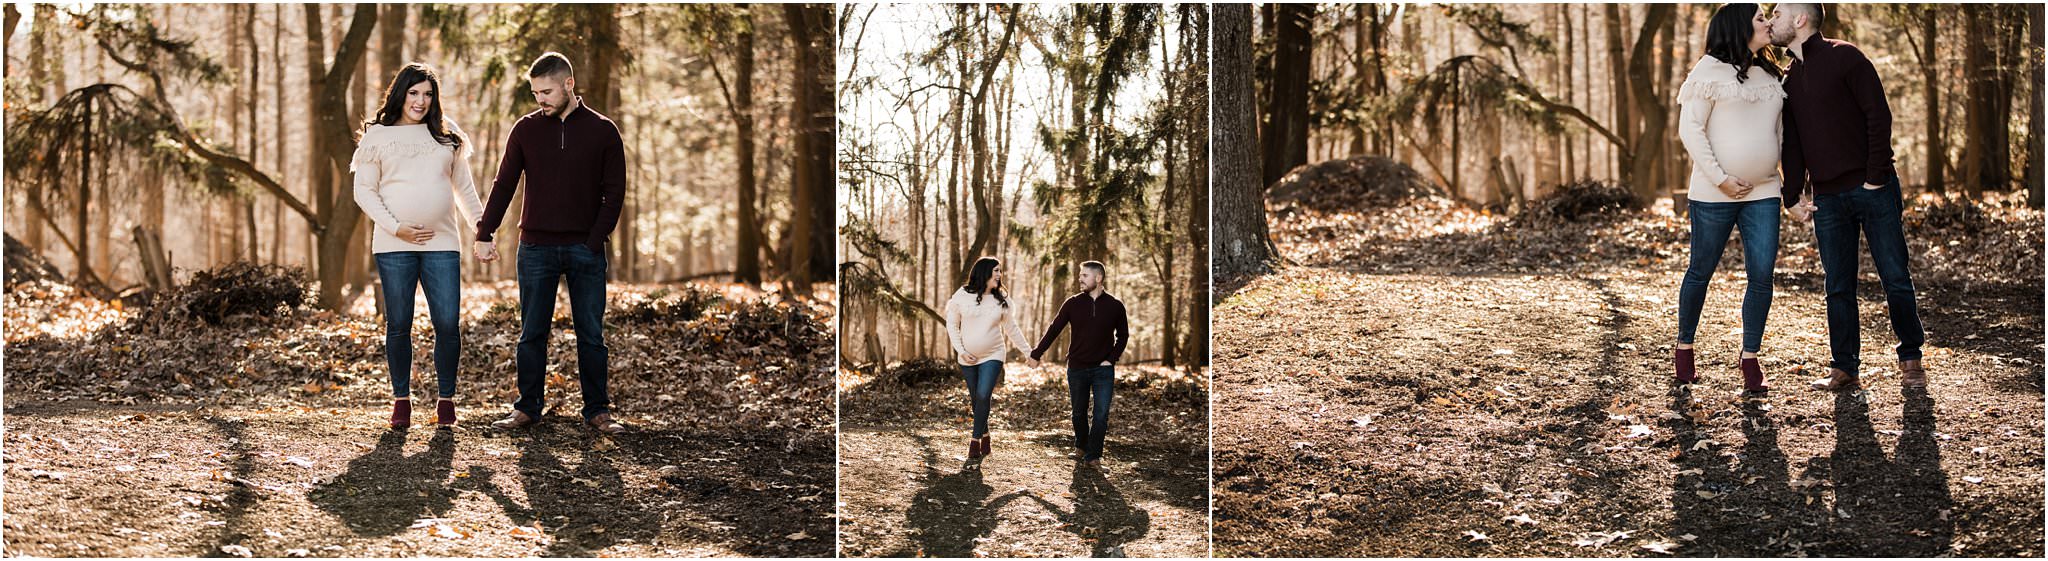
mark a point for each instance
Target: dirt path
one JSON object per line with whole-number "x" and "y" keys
{"x": 908, "y": 491}
{"x": 1436, "y": 414}
{"x": 89, "y": 480}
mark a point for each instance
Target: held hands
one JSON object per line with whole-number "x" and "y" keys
{"x": 1032, "y": 361}
{"x": 415, "y": 233}
{"x": 486, "y": 252}
{"x": 1804, "y": 211}
{"x": 1735, "y": 187}
{"x": 1108, "y": 363}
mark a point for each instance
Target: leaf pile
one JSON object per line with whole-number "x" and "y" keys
{"x": 1581, "y": 201}
{"x": 1349, "y": 183}
{"x": 24, "y": 265}
{"x": 1595, "y": 226}
{"x": 237, "y": 289}
{"x": 748, "y": 358}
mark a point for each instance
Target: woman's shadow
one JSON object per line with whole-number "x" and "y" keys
{"x": 383, "y": 491}
{"x": 952, "y": 510}
{"x": 1101, "y": 516}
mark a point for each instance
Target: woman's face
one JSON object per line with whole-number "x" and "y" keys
{"x": 995, "y": 277}
{"x": 1759, "y": 31}
{"x": 418, "y": 99}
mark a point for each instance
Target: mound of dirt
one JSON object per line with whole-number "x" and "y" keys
{"x": 1350, "y": 183}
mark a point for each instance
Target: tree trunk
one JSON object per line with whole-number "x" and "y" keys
{"x": 747, "y": 263}
{"x": 2034, "y": 103}
{"x": 1648, "y": 146}
{"x": 1284, "y": 139}
{"x": 1617, "y": 65}
{"x": 1936, "y": 158}
{"x": 1242, "y": 243}
{"x": 1983, "y": 168}
{"x": 811, "y": 220}
{"x": 330, "y": 111}
{"x": 1197, "y": 344}
{"x": 979, "y": 186}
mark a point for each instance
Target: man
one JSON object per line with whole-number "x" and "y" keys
{"x": 1100, "y": 331}
{"x": 575, "y": 168}
{"x": 1838, "y": 132}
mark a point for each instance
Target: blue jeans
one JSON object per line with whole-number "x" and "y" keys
{"x": 541, "y": 269}
{"x": 981, "y": 387}
{"x": 1836, "y": 223}
{"x": 1082, "y": 381}
{"x": 439, "y": 273}
{"x": 1711, "y": 223}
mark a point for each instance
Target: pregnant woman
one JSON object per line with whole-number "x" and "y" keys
{"x": 980, "y": 321}
{"x": 1729, "y": 123}
{"x": 411, "y": 175}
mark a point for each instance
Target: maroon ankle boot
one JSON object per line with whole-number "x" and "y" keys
{"x": 401, "y": 413}
{"x": 1753, "y": 378}
{"x": 1681, "y": 359}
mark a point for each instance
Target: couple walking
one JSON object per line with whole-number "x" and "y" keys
{"x": 1761, "y": 138}
{"x": 980, "y": 320}
{"x": 412, "y": 174}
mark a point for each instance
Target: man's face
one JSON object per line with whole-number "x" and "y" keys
{"x": 553, "y": 93}
{"x": 1090, "y": 279}
{"x": 1784, "y": 25}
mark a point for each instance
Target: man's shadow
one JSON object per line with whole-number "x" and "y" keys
{"x": 584, "y": 509}
{"x": 1895, "y": 507}
{"x": 952, "y": 510}
{"x": 1741, "y": 508}
{"x": 383, "y": 491}
{"x": 1102, "y": 517}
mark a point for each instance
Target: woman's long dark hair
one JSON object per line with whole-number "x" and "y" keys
{"x": 977, "y": 281}
{"x": 1728, "y": 40}
{"x": 394, "y": 104}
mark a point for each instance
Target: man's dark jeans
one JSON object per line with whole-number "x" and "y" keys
{"x": 1082, "y": 381}
{"x": 541, "y": 269}
{"x": 1837, "y": 222}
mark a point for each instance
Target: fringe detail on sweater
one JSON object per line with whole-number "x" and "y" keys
{"x": 390, "y": 151}
{"x": 1753, "y": 91}
{"x": 378, "y": 146}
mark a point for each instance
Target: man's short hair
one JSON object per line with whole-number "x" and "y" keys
{"x": 1816, "y": 13}
{"x": 551, "y": 64}
{"x": 1097, "y": 266}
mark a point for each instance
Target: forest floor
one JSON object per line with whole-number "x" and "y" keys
{"x": 907, "y": 489}
{"x": 131, "y": 431}
{"x": 1429, "y": 379}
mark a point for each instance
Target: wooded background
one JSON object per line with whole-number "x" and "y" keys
{"x": 1042, "y": 135}
{"x": 148, "y": 139}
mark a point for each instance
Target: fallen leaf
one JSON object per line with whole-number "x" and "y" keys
{"x": 1522, "y": 519}
{"x": 1474, "y": 536}
{"x": 1662, "y": 547}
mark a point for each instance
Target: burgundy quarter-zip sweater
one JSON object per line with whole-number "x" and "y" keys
{"x": 575, "y": 172}
{"x": 1838, "y": 125}
{"x": 1100, "y": 330}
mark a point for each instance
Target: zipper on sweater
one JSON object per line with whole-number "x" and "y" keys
{"x": 565, "y": 135}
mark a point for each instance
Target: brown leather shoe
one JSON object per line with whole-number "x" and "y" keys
{"x": 1837, "y": 381}
{"x": 401, "y": 413}
{"x": 517, "y": 420}
{"x": 1912, "y": 375}
{"x": 604, "y": 424}
{"x": 444, "y": 412}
